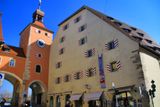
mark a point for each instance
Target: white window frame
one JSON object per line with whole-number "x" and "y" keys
{"x": 12, "y": 65}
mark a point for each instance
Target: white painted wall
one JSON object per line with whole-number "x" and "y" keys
{"x": 151, "y": 69}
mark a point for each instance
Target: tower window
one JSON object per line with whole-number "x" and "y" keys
{"x": 66, "y": 27}
{"x": 38, "y": 68}
{"x": 39, "y": 31}
{"x": 46, "y": 34}
{"x": 39, "y": 55}
{"x": 77, "y": 19}
{"x": 83, "y": 27}
{"x": 12, "y": 63}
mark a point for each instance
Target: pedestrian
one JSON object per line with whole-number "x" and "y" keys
{"x": 3, "y": 101}
{"x": 68, "y": 104}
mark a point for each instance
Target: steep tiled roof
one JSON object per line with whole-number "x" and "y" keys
{"x": 11, "y": 51}
{"x": 134, "y": 33}
{"x": 16, "y": 51}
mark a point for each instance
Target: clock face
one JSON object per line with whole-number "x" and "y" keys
{"x": 40, "y": 43}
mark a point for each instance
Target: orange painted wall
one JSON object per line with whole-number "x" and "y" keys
{"x": 24, "y": 39}
{"x": 18, "y": 69}
{"x": 34, "y": 50}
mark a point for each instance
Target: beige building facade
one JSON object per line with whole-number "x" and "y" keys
{"x": 96, "y": 61}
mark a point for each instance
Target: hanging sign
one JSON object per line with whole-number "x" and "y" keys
{"x": 101, "y": 71}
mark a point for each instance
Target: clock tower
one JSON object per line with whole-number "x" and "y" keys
{"x": 36, "y": 41}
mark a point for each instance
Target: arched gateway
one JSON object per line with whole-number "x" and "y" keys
{"x": 17, "y": 87}
{"x": 28, "y": 65}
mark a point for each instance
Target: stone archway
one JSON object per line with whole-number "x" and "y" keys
{"x": 38, "y": 97}
{"x": 17, "y": 88}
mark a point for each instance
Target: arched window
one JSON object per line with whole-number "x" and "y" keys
{"x": 38, "y": 68}
{"x": 12, "y": 63}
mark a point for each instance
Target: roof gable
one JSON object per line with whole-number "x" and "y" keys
{"x": 132, "y": 32}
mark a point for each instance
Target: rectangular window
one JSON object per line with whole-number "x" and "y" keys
{"x": 61, "y": 51}
{"x": 58, "y": 80}
{"x": 78, "y": 75}
{"x": 82, "y": 41}
{"x": 82, "y": 28}
{"x": 12, "y": 63}
{"x": 113, "y": 66}
{"x": 66, "y": 27}
{"x": 62, "y": 39}
{"x": 112, "y": 44}
{"x": 91, "y": 72}
{"x": 90, "y": 52}
{"x": 77, "y": 19}
{"x": 67, "y": 78}
{"x": 58, "y": 64}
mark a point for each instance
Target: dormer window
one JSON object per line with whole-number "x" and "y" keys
{"x": 140, "y": 34}
{"x": 127, "y": 30}
{"x": 149, "y": 41}
{"x": 118, "y": 23}
{"x": 133, "y": 28}
{"x": 110, "y": 18}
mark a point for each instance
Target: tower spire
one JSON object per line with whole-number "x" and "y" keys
{"x": 39, "y": 5}
{"x": 38, "y": 14}
{"x": 1, "y": 34}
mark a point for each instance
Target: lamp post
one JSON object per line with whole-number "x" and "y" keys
{"x": 115, "y": 93}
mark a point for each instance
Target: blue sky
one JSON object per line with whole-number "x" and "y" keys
{"x": 143, "y": 14}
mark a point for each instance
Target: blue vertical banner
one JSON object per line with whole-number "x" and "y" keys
{"x": 101, "y": 71}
